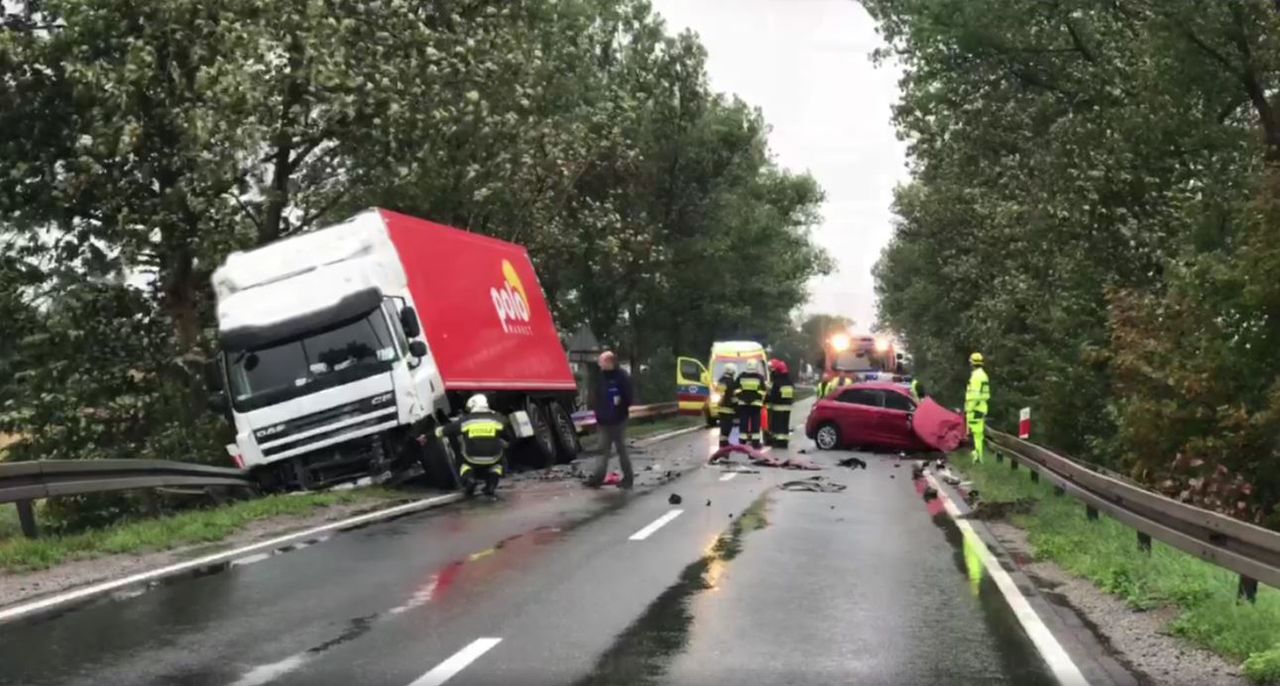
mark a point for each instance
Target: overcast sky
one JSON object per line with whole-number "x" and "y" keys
{"x": 806, "y": 64}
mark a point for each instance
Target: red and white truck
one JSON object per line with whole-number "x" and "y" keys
{"x": 338, "y": 347}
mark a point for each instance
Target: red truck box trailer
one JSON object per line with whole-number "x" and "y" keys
{"x": 339, "y": 347}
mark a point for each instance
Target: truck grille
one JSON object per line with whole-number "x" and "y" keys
{"x": 375, "y": 420}
{"x": 333, "y": 415}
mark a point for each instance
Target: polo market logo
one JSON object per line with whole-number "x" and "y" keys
{"x": 511, "y": 302}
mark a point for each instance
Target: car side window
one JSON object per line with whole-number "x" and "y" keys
{"x": 862, "y": 396}
{"x": 897, "y": 401}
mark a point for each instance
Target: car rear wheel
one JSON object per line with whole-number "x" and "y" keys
{"x": 827, "y": 437}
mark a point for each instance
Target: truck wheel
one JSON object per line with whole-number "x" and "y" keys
{"x": 544, "y": 440}
{"x": 438, "y": 468}
{"x": 566, "y": 433}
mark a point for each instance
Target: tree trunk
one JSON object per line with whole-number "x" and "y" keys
{"x": 282, "y": 161}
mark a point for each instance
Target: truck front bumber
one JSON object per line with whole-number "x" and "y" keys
{"x": 317, "y": 420}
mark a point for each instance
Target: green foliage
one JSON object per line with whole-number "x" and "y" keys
{"x": 1106, "y": 553}
{"x": 1264, "y": 667}
{"x": 165, "y": 533}
{"x": 145, "y": 141}
{"x": 1093, "y": 208}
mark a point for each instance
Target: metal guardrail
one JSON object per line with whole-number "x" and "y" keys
{"x": 23, "y": 482}
{"x": 1251, "y": 551}
{"x": 587, "y": 420}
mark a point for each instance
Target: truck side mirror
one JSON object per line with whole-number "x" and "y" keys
{"x": 418, "y": 349}
{"x": 409, "y": 322}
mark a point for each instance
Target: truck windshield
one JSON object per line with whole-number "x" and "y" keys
{"x": 278, "y": 371}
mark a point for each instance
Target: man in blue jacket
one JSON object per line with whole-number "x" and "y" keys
{"x": 612, "y": 407}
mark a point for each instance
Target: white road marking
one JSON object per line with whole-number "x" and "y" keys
{"x": 728, "y": 476}
{"x": 104, "y": 587}
{"x": 457, "y": 662}
{"x": 420, "y": 597}
{"x": 1066, "y": 671}
{"x": 655, "y": 525}
{"x": 265, "y": 674}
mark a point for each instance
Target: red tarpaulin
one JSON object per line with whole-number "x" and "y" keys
{"x": 938, "y": 427}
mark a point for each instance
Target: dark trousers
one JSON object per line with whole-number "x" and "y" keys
{"x": 779, "y": 427}
{"x": 727, "y": 420}
{"x": 749, "y": 425}
{"x": 613, "y": 435}
{"x": 471, "y": 473}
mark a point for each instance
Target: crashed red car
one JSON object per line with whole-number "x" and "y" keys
{"x": 878, "y": 415}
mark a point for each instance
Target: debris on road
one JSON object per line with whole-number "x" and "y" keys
{"x": 814, "y": 484}
{"x": 674, "y": 499}
{"x": 917, "y": 470}
{"x": 613, "y": 479}
{"x": 853, "y": 463}
{"x": 759, "y": 459}
{"x": 930, "y": 494}
{"x": 951, "y": 479}
{"x": 708, "y": 502}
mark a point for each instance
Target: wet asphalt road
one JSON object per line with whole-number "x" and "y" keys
{"x": 747, "y": 584}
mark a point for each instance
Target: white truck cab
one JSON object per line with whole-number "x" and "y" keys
{"x": 321, "y": 356}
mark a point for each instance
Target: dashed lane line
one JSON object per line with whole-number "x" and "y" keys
{"x": 655, "y": 525}
{"x": 457, "y": 662}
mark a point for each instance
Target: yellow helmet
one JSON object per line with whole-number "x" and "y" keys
{"x": 976, "y": 359}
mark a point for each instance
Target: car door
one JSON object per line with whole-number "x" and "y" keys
{"x": 693, "y": 387}
{"x": 894, "y": 421}
{"x": 857, "y": 409}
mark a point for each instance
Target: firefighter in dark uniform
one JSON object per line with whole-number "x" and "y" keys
{"x": 749, "y": 397}
{"x": 482, "y": 437}
{"x": 726, "y": 410}
{"x": 778, "y": 404}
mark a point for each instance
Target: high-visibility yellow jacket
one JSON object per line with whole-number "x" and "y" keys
{"x": 977, "y": 394}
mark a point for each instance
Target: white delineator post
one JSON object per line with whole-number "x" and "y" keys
{"x": 1024, "y": 423}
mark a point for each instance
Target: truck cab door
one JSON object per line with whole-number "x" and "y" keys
{"x": 693, "y": 386}
{"x": 424, "y": 377}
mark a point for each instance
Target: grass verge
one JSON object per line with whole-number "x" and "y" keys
{"x": 1106, "y": 553}
{"x": 165, "y": 533}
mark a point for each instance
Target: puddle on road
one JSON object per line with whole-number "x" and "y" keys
{"x": 1017, "y": 653}
{"x": 643, "y": 651}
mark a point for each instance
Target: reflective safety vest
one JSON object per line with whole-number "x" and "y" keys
{"x": 782, "y": 393}
{"x": 838, "y": 382}
{"x": 725, "y": 387}
{"x": 977, "y": 393}
{"x": 483, "y": 436}
{"x": 750, "y": 390}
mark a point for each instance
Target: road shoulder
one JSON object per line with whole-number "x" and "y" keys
{"x": 1110, "y": 642}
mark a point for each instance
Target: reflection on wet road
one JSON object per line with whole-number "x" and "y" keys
{"x": 748, "y": 584}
